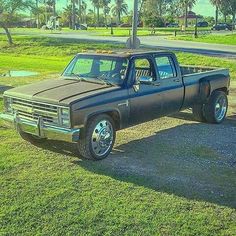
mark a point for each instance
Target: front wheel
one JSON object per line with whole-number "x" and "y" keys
{"x": 98, "y": 138}
{"x": 216, "y": 109}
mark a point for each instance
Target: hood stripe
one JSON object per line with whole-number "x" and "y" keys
{"x": 62, "y": 85}
{"x": 92, "y": 90}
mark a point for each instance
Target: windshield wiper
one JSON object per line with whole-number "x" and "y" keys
{"x": 93, "y": 80}
{"x": 104, "y": 80}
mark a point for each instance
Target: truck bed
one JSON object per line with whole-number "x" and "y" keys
{"x": 192, "y": 75}
{"x": 190, "y": 70}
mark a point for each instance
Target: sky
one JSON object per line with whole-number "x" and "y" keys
{"x": 203, "y": 7}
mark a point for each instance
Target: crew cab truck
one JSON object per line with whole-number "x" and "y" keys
{"x": 101, "y": 93}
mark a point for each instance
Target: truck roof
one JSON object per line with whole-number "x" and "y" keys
{"x": 121, "y": 54}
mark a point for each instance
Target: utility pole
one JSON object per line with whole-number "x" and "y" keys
{"x": 135, "y": 25}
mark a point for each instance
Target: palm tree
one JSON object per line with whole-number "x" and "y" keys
{"x": 37, "y": 9}
{"x": 106, "y": 9}
{"x": 119, "y": 8}
{"x": 97, "y": 4}
{"x": 217, "y": 4}
{"x": 73, "y": 13}
{"x": 83, "y": 11}
{"x": 67, "y": 14}
{"x": 52, "y": 5}
{"x": 187, "y": 4}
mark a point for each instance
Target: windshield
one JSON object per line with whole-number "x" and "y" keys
{"x": 96, "y": 68}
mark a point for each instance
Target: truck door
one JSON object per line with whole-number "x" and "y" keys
{"x": 145, "y": 98}
{"x": 171, "y": 84}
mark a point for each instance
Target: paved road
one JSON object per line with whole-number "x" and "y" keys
{"x": 160, "y": 42}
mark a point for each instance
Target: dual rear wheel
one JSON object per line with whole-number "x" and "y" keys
{"x": 99, "y": 136}
{"x": 214, "y": 111}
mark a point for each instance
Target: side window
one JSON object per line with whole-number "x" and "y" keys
{"x": 143, "y": 68}
{"x": 165, "y": 67}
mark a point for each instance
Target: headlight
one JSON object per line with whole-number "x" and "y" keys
{"x": 65, "y": 112}
{"x": 65, "y": 122}
{"x": 65, "y": 117}
{"x": 8, "y": 104}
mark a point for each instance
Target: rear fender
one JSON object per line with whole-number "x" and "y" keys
{"x": 212, "y": 83}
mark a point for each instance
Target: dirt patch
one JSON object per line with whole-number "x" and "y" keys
{"x": 180, "y": 156}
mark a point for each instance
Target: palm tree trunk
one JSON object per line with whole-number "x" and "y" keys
{"x": 186, "y": 17}
{"x": 46, "y": 14}
{"x": 54, "y": 8}
{"x": 73, "y": 15}
{"x": 160, "y": 8}
{"x": 217, "y": 15}
{"x": 98, "y": 16}
{"x": 80, "y": 12}
{"x": 233, "y": 19}
{"x": 105, "y": 14}
{"x": 54, "y": 13}
{"x": 37, "y": 6}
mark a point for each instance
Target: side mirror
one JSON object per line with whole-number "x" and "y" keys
{"x": 146, "y": 80}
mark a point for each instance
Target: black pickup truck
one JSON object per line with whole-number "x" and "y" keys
{"x": 100, "y": 93}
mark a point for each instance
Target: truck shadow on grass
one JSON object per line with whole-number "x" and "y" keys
{"x": 193, "y": 160}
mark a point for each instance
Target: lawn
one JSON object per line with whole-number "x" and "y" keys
{"x": 103, "y": 31}
{"x": 229, "y": 39}
{"x": 153, "y": 184}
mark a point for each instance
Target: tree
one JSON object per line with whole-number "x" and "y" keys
{"x": 37, "y": 12}
{"x": 83, "y": 9}
{"x": 225, "y": 10}
{"x": 8, "y": 12}
{"x": 217, "y": 4}
{"x": 106, "y": 9}
{"x": 97, "y": 4}
{"x": 154, "y": 12}
{"x": 232, "y": 9}
{"x": 73, "y": 8}
{"x": 119, "y": 8}
{"x": 187, "y": 5}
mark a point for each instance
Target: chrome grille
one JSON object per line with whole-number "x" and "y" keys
{"x": 31, "y": 110}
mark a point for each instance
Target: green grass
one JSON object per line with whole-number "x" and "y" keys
{"x": 192, "y": 59}
{"x": 48, "y": 56}
{"x": 48, "y": 190}
{"x": 125, "y": 32}
{"x": 229, "y": 39}
{"x": 103, "y": 31}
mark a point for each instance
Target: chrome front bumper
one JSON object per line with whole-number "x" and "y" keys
{"x": 40, "y": 129}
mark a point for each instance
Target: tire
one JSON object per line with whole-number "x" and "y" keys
{"x": 216, "y": 108}
{"x": 31, "y": 138}
{"x": 98, "y": 138}
{"x": 198, "y": 112}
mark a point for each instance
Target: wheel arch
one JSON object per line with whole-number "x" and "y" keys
{"x": 212, "y": 83}
{"x": 113, "y": 113}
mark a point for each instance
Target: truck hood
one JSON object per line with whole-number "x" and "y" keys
{"x": 60, "y": 91}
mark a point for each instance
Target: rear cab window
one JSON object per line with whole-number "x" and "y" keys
{"x": 143, "y": 67}
{"x": 165, "y": 66}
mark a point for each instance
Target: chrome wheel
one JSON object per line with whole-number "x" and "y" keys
{"x": 220, "y": 108}
{"x": 102, "y": 138}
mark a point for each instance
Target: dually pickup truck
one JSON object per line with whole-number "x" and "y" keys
{"x": 102, "y": 92}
